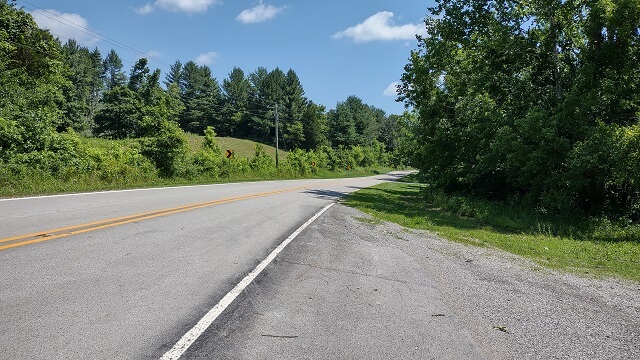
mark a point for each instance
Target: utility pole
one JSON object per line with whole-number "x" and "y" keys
{"x": 277, "y": 136}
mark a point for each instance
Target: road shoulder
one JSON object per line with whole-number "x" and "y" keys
{"x": 353, "y": 287}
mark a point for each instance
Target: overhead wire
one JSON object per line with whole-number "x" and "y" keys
{"x": 55, "y": 17}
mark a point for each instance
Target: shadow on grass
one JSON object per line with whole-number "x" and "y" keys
{"x": 409, "y": 200}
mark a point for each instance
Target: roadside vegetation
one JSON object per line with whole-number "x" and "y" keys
{"x": 523, "y": 120}
{"x": 72, "y": 120}
{"x": 100, "y": 164}
{"x": 525, "y": 132}
{"x": 531, "y": 102}
{"x": 592, "y": 247}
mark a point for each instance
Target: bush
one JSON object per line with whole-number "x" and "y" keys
{"x": 166, "y": 148}
{"x": 261, "y": 163}
{"x": 209, "y": 164}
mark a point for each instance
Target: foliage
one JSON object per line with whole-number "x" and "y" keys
{"x": 166, "y": 147}
{"x": 112, "y": 73}
{"x": 120, "y": 116}
{"x": 82, "y": 96}
{"x": 49, "y": 91}
{"x": 261, "y": 162}
{"x": 602, "y": 248}
{"x": 529, "y": 100}
{"x": 201, "y": 96}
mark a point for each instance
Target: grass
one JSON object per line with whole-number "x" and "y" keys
{"x": 34, "y": 182}
{"x": 583, "y": 248}
{"x": 241, "y": 147}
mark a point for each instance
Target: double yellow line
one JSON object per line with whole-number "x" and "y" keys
{"x": 22, "y": 240}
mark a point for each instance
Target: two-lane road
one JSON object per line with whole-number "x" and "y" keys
{"x": 125, "y": 274}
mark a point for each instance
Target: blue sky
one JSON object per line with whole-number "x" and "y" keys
{"x": 337, "y": 47}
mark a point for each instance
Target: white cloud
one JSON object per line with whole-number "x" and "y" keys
{"x": 65, "y": 26}
{"x": 187, "y": 6}
{"x": 207, "y": 59}
{"x": 259, "y": 14}
{"x": 148, "y": 8}
{"x": 392, "y": 89}
{"x": 381, "y": 27}
{"x": 152, "y": 53}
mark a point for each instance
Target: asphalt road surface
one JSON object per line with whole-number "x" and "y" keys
{"x": 125, "y": 275}
{"x": 122, "y": 275}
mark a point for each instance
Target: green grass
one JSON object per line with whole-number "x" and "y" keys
{"x": 105, "y": 144}
{"x": 241, "y": 147}
{"x": 25, "y": 181}
{"x": 584, "y": 248}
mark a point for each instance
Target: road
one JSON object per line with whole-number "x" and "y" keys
{"x": 129, "y": 275}
{"x": 125, "y": 274}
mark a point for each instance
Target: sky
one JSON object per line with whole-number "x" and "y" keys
{"x": 338, "y": 48}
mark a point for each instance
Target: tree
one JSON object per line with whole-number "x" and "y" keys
{"x": 354, "y": 123}
{"x": 112, "y": 73}
{"x": 342, "y": 126}
{"x": 32, "y": 70}
{"x": 388, "y": 131}
{"x": 236, "y": 95}
{"x": 202, "y": 98}
{"x": 139, "y": 74}
{"x": 315, "y": 127}
{"x": 524, "y": 100}
{"x": 261, "y": 124}
{"x": 293, "y": 111}
{"x": 120, "y": 116}
{"x": 175, "y": 75}
{"x": 82, "y": 98}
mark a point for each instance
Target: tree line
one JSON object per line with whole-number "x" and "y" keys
{"x": 98, "y": 97}
{"x": 52, "y": 94}
{"x": 534, "y": 101}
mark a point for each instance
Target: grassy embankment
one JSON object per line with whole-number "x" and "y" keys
{"x": 592, "y": 248}
{"x": 119, "y": 176}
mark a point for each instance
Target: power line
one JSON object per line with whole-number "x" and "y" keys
{"x": 83, "y": 29}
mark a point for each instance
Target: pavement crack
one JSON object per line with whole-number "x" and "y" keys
{"x": 281, "y": 336}
{"x": 343, "y": 271}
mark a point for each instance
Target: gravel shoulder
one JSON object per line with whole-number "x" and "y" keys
{"x": 351, "y": 287}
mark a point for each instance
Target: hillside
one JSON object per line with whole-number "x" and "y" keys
{"x": 241, "y": 147}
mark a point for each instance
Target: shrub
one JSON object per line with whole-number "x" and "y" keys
{"x": 166, "y": 148}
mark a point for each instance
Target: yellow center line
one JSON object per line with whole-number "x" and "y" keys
{"x": 48, "y": 235}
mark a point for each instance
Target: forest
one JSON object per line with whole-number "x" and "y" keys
{"x": 54, "y": 96}
{"x": 532, "y": 102}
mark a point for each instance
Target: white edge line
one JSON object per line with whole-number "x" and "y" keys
{"x": 142, "y": 189}
{"x": 192, "y": 335}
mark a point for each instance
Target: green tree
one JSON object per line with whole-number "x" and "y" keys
{"x": 82, "y": 98}
{"x": 32, "y": 70}
{"x": 112, "y": 73}
{"x": 261, "y": 124}
{"x": 201, "y": 96}
{"x": 342, "y": 126}
{"x": 236, "y": 94}
{"x": 315, "y": 126}
{"x": 120, "y": 115}
{"x": 525, "y": 99}
{"x": 175, "y": 75}
{"x": 294, "y": 104}
{"x": 354, "y": 123}
{"x": 138, "y": 75}
{"x": 166, "y": 147}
